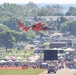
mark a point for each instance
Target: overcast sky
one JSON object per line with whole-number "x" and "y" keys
{"x": 40, "y": 1}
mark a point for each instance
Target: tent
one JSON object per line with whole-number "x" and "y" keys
{"x": 6, "y": 57}
{"x": 58, "y": 54}
{"x": 12, "y": 58}
{"x": 19, "y": 58}
{"x": 25, "y": 60}
{"x": 33, "y": 61}
{"x": 9, "y": 61}
{"x": 2, "y": 61}
{"x": 69, "y": 50}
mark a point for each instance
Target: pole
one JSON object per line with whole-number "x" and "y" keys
{"x": 56, "y": 26}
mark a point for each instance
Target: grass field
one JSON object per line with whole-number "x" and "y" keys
{"x": 19, "y": 54}
{"x": 21, "y": 72}
{"x": 29, "y": 71}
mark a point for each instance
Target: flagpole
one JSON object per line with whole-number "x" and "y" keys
{"x": 56, "y": 25}
{"x": 55, "y": 11}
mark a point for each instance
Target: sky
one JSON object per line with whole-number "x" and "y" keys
{"x": 40, "y": 1}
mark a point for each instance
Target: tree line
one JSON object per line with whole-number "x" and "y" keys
{"x": 11, "y": 13}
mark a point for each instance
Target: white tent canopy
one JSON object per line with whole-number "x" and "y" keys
{"x": 69, "y": 50}
{"x": 25, "y": 60}
{"x": 58, "y": 54}
{"x": 6, "y": 57}
{"x": 9, "y": 61}
{"x": 19, "y": 58}
{"x": 2, "y": 61}
{"x": 67, "y": 53}
{"x": 60, "y": 49}
{"x": 33, "y": 61}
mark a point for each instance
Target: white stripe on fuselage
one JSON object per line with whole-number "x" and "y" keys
{"x": 30, "y": 28}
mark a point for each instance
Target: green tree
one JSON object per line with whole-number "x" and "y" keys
{"x": 62, "y": 19}
{"x": 64, "y": 27}
{"x": 6, "y": 39}
{"x": 11, "y": 22}
{"x": 71, "y": 12}
{"x": 24, "y": 36}
{"x": 13, "y": 8}
{"x": 72, "y": 28}
{"x": 42, "y": 12}
{"x": 57, "y": 10}
{"x": 68, "y": 27}
{"x": 31, "y": 9}
{"x": 3, "y": 28}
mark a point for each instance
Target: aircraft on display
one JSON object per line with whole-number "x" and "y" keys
{"x": 37, "y": 27}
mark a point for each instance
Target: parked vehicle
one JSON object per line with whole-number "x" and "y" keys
{"x": 52, "y": 69}
{"x": 43, "y": 65}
